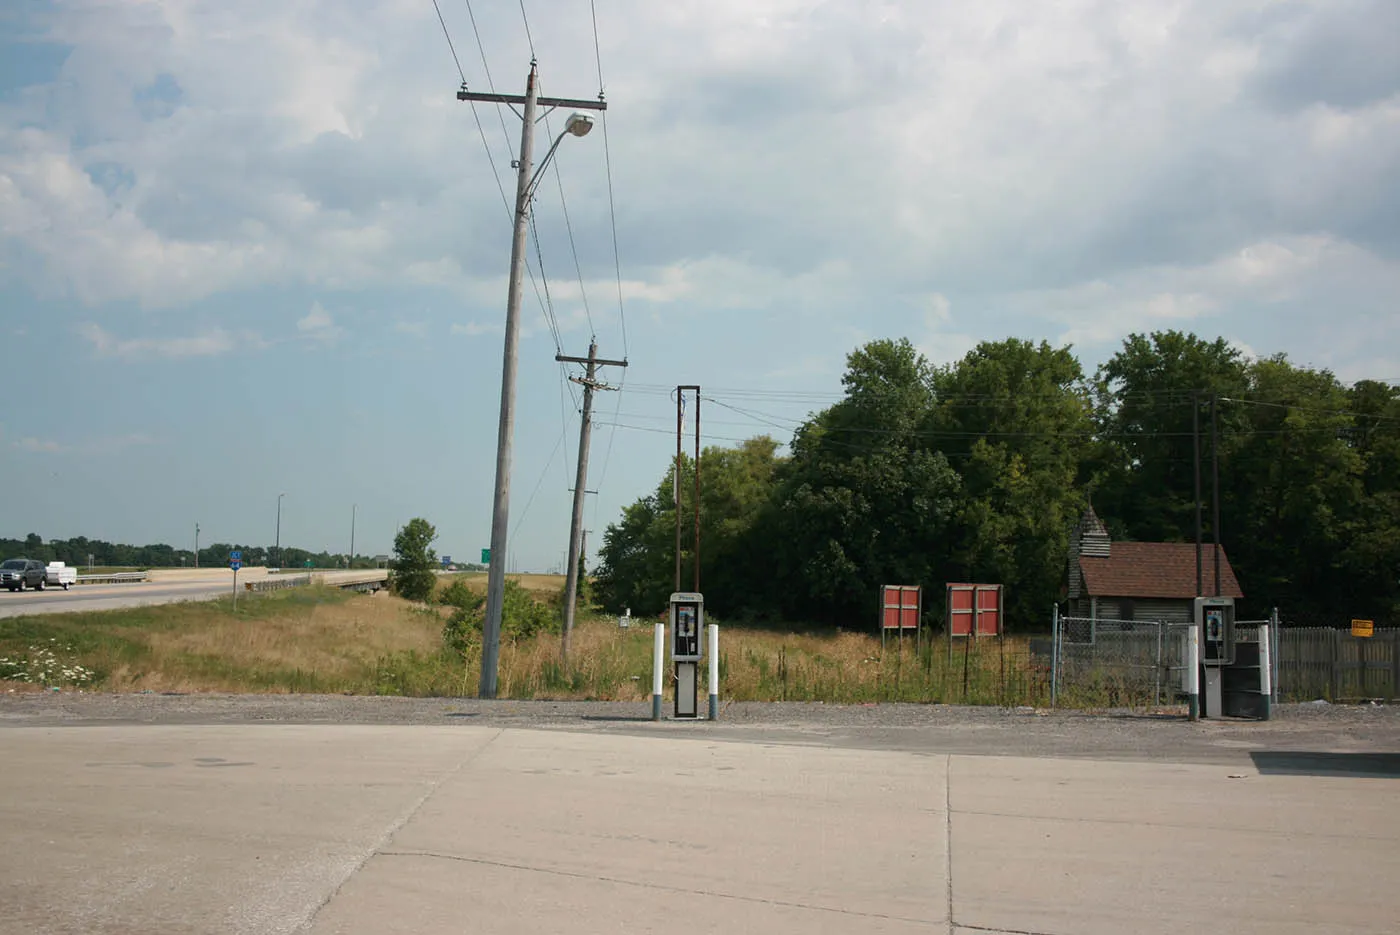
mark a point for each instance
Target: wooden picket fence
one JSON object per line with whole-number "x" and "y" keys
{"x": 1321, "y": 662}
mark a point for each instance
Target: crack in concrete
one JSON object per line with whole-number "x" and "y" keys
{"x": 599, "y": 878}
{"x": 397, "y": 826}
{"x": 948, "y": 835}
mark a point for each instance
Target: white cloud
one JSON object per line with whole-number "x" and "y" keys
{"x": 102, "y": 445}
{"x": 210, "y": 344}
{"x": 941, "y": 341}
{"x": 1076, "y": 161}
{"x": 318, "y": 325}
{"x": 38, "y": 445}
{"x": 417, "y": 329}
{"x": 471, "y": 329}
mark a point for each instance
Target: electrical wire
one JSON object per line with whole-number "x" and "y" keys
{"x": 528, "y": 503}
{"x": 548, "y": 302}
{"x": 448, "y": 36}
{"x": 528, "y": 38}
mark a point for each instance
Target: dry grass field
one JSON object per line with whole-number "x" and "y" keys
{"x": 328, "y": 641}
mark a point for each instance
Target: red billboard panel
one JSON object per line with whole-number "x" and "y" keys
{"x": 899, "y": 606}
{"x": 975, "y": 609}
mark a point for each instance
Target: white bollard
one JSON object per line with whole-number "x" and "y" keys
{"x": 1266, "y": 675}
{"x": 658, "y": 664}
{"x": 1193, "y": 674}
{"x": 714, "y": 671}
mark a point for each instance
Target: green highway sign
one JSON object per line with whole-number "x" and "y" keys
{"x": 485, "y": 556}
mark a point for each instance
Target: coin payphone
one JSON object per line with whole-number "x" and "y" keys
{"x": 1215, "y": 626}
{"x": 687, "y": 625}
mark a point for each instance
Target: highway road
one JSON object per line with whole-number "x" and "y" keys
{"x": 167, "y": 586}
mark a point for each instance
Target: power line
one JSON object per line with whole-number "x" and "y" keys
{"x": 486, "y": 67}
{"x": 548, "y": 302}
{"x": 445, "y": 33}
{"x": 569, "y": 229}
{"x": 548, "y": 464}
{"x": 528, "y": 38}
{"x": 607, "y": 162}
{"x": 1326, "y": 412}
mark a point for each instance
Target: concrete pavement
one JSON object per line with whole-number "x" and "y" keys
{"x": 365, "y": 829}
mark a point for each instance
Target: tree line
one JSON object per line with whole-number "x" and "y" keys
{"x": 977, "y": 471}
{"x": 80, "y": 550}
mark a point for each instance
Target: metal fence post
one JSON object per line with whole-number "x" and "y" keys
{"x": 1055, "y": 655}
{"x": 1274, "y": 660}
{"x": 1157, "y": 669}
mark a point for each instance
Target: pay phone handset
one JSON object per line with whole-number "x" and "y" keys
{"x": 687, "y": 623}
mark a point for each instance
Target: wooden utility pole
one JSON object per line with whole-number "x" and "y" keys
{"x": 589, "y": 383}
{"x": 526, "y": 180}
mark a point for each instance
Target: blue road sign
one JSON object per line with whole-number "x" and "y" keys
{"x": 235, "y": 556}
{"x": 235, "y": 565}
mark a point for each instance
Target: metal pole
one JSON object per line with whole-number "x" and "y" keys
{"x": 1193, "y": 673}
{"x": 1054, "y": 655}
{"x": 658, "y": 664}
{"x": 1275, "y": 635}
{"x": 714, "y": 670}
{"x": 676, "y": 481}
{"x": 1215, "y": 490}
{"x": 697, "y": 490}
{"x": 196, "y": 545}
{"x": 278, "y": 544}
{"x": 500, "y": 514}
{"x": 1196, "y": 464}
{"x": 354, "y": 507}
{"x": 580, "y": 483}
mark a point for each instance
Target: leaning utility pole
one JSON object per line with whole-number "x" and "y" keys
{"x": 500, "y": 514}
{"x": 585, "y": 431}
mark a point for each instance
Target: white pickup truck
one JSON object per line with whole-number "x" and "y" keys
{"x": 58, "y": 574}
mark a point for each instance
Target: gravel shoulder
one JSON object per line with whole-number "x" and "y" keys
{"x": 1311, "y": 738}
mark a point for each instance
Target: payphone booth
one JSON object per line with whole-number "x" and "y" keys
{"x": 687, "y": 625}
{"x": 1215, "y": 626}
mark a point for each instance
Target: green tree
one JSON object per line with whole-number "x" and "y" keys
{"x": 1142, "y": 470}
{"x": 411, "y": 574}
{"x": 1016, "y": 420}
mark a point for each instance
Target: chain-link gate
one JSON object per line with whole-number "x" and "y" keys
{"x": 1109, "y": 663}
{"x": 1098, "y": 662}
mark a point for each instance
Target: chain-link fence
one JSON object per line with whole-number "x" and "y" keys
{"x": 1097, "y": 662}
{"x": 1117, "y": 663}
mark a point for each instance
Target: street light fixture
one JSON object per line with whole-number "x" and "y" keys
{"x": 277, "y": 546}
{"x": 528, "y": 177}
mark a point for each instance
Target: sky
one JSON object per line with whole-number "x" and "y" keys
{"x": 260, "y": 248}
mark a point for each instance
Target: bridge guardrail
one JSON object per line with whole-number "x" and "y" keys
{"x": 121, "y": 577}
{"x": 278, "y": 584}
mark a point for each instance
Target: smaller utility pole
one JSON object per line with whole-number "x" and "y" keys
{"x": 196, "y": 545}
{"x": 1196, "y": 465}
{"x": 1215, "y": 490}
{"x": 589, "y": 382}
{"x": 353, "y": 508}
{"x": 676, "y": 482}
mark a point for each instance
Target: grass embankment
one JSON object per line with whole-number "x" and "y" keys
{"x": 319, "y": 640}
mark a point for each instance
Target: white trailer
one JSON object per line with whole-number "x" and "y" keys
{"x": 57, "y": 574}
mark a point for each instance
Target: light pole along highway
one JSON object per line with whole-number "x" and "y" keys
{"x": 527, "y": 179}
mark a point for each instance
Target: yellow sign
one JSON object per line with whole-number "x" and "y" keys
{"x": 1363, "y": 628}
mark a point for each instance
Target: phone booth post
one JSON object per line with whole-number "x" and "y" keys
{"x": 687, "y": 624}
{"x": 1215, "y": 628}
